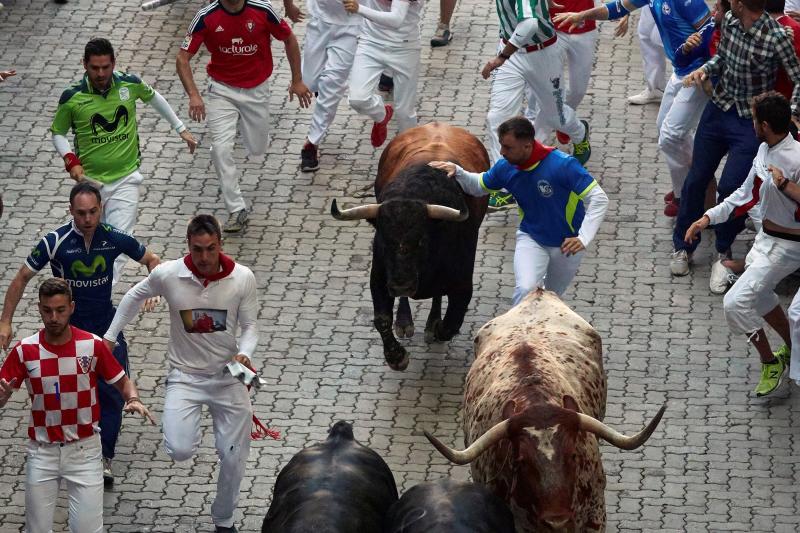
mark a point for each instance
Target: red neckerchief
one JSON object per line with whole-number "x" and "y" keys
{"x": 225, "y": 262}
{"x": 539, "y": 152}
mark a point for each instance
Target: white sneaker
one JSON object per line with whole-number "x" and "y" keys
{"x": 646, "y": 97}
{"x": 721, "y": 276}
{"x": 679, "y": 263}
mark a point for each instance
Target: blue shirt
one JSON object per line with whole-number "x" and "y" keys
{"x": 88, "y": 271}
{"x": 676, "y": 20}
{"x": 549, "y": 195}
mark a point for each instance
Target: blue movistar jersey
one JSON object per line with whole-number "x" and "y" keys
{"x": 89, "y": 271}
{"x": 676, "y": 21}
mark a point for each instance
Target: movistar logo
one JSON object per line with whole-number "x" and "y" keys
{"x": 109, "y": 127}
{"x": 79, "y": 267}
{"x": 36, "y": 253}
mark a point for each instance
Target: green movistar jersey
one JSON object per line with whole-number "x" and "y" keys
{"x": 106, "y": 137}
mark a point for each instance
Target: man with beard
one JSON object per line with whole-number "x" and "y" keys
{"x": 776, "y": 251}
{"x": 561, "y": 205}
{"x": 100, "y": 109}
{"x": 83, "y": 252}
{"x": 60, "y": 366}
{"x": 205, "y": 279}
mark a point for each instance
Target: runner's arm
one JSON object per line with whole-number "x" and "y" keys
{"x": 129, "y": 307}
{"x": 739, "y": 202}
{"x": 11, "y": 301}
{"x": 596, "y": 204}
{"x": 471, "y": 182}
{"x": 150, "y": 260}
{"x": 248, "y": 319}
{"x": 392, "y": 19}
{"x": 62, "y": 144}
{"x": 161, "y": 105}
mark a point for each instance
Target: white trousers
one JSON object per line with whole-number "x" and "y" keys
{"x": 678, "y": 117}
{"x": 753, "y": 295}
{"x": 370, "y": 62}
{"x": 228, "y": 403}
{"x": 541, "y": 70}
{"x": 120, "y": 209}
{"x": 537, "y": 266}
{"x": 794, "y": 323}
{"x": 228, "y": 108}
{"x": 328, "y": 54}
{"x": 80, "y": 465}
{"x": 577, "y": 52}
{"x": 653, "y": 58}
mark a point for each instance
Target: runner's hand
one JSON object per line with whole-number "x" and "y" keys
{"x": 622, "y": 26}
{"x": 492, "y": 64}
{"x": 6, "y": 390}
{"x": 293, "y": 12}
{"x": 197, "y": 109}
{"x": 109, "y": 344}
{"x": 76, "y": 173}
{"x": 696, "y": 77}
{"x": 692, "y": 42}
{"x": 136, "y": 406}
{"x": 571, "y": 246}
{"x": 191, "y": 142}
{"x": 351, "y": 6}
{"x": 696, "y": 227}
{"x": 573, "y": 19}
{"x": 447, "y": 166}
{"x": 243, "y": 359}
{"x": 150, "y": 304}
{"x": 5, "y": 334}
{"x": 5, "y": 74}
{"x": 299, "y": 89}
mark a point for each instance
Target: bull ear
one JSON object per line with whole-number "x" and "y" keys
{"x": 509, "y": 409}
{"x": 569, "y": 403}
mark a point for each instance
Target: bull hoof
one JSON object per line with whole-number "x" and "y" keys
{"x": 396, "y": 358}
{"x": 438, "y": 333}
{"x": 404, "y": 330}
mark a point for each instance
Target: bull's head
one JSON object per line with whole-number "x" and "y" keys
{"x": 542, "y": 444}
{"x": 402, "y": 233}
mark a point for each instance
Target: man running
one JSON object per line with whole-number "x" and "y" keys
{"x": 101, "y": 110}
{"x": 237, "y": 33}
{"x": 204, "y": 281}
{"x": 83, "y": 252}
{"x": 561, "y": 204}
{"x": 61, "y": 366}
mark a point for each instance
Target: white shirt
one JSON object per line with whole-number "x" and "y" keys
{"x": 404, "y": 32}
{"x": 203, "y": 319}
{"x": 332, "y": 12}
{"x": 766, "y": 201}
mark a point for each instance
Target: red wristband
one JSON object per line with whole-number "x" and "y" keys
{"x": 71, "y": 161}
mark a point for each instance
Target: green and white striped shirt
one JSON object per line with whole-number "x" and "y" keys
{"x": 512, "y": 12}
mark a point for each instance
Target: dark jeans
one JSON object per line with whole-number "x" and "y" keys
{"x": 111, "y": 402}
{"x": 718, "y": 133}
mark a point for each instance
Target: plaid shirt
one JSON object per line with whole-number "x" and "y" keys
{"x": 747, "y": 61}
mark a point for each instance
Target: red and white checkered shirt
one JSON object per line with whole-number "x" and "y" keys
{"x": 62, "y": 383}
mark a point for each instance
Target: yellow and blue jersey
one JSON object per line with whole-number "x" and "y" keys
{"x": 549, "y": 194}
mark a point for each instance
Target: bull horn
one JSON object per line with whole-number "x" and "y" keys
{"x": 442, "y": 212}
{"x": 592, "y": 425}
{"x": 484, "y": 442}
{"x": 355, "y": 213}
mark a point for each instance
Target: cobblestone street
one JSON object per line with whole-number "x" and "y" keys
{"x": 720, "y": 460}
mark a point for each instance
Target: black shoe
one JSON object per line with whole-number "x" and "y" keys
{"x": 309, "y": 158}
{"x": 386, "y": 84}
{"x": 220, "y": 529}
{"x": 60, "y": 1}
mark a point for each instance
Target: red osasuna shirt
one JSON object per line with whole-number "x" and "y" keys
{"x": 239, "y": 42}
{"x": 62, "y": 383}
{"x": 782, "y": 82}
{"x": 570, "y": 6}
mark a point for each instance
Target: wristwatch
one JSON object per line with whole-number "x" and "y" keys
{"x": 504, "y": 56}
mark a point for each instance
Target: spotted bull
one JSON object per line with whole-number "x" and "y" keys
{"x": 337, "y": 486}
{"x": 533, "y": 404}
{"x": 426, "y": 233}
{"x": 447, "y": 506}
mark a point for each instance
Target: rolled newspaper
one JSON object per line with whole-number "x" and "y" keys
{"x": 152, "y": 4}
